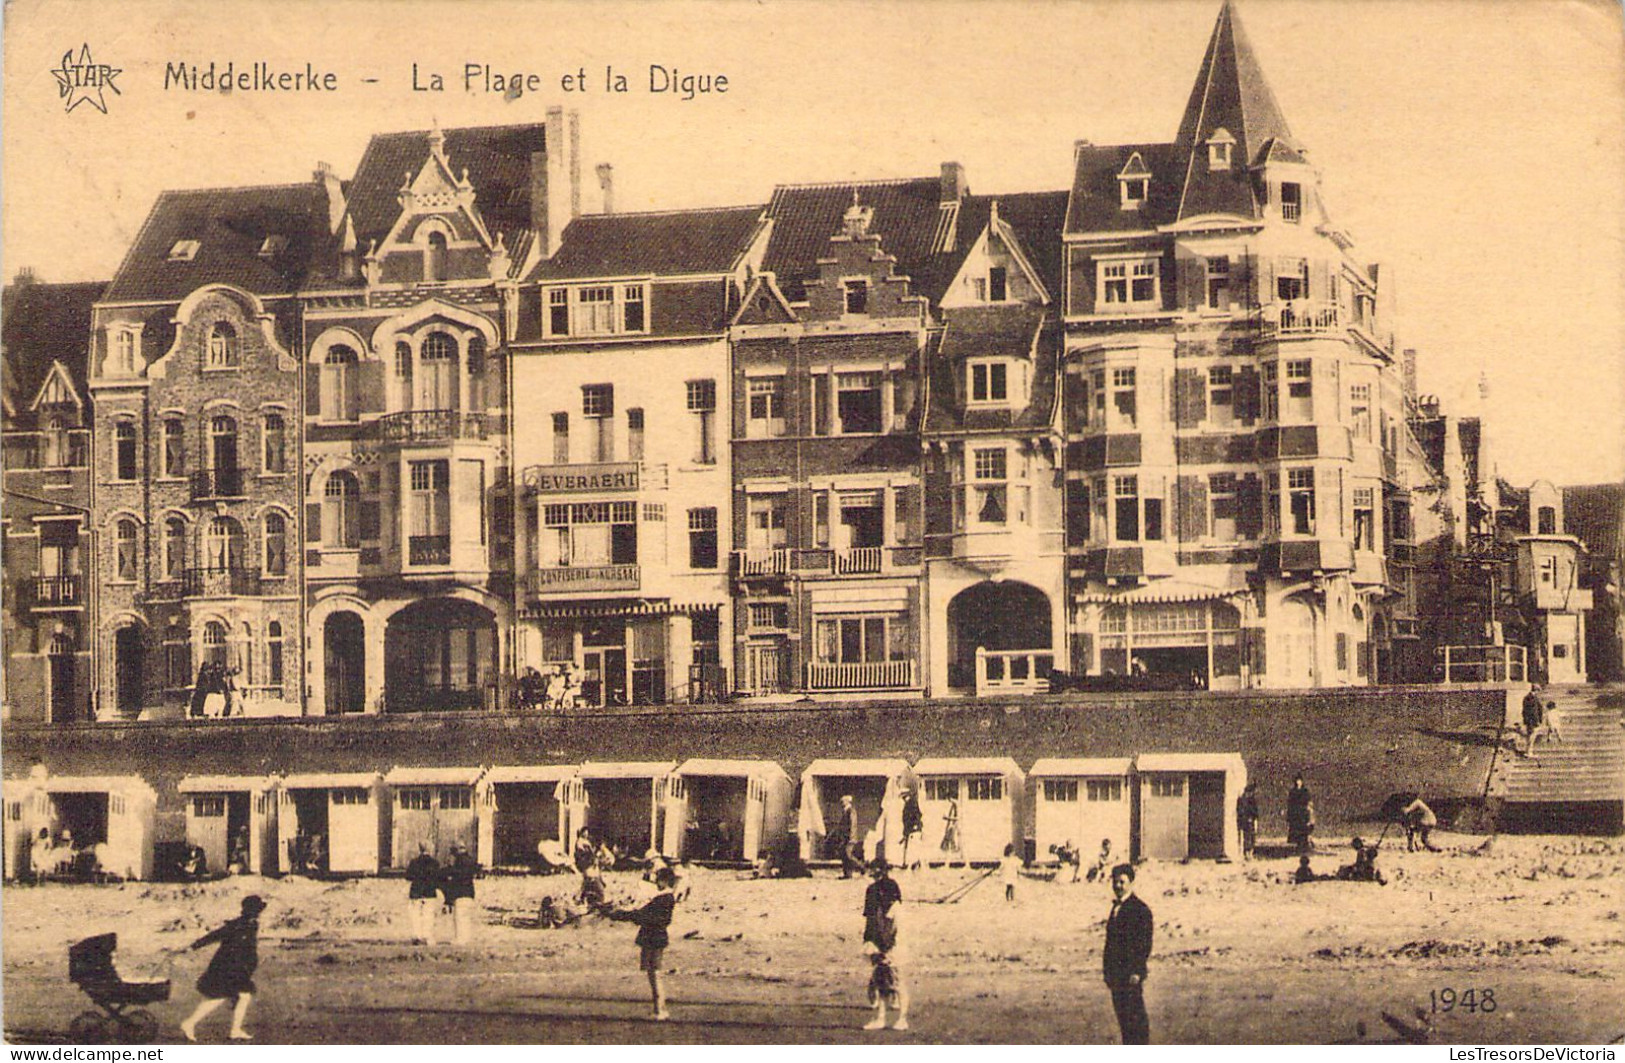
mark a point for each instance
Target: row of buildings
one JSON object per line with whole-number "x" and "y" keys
{"x": 383, "y": 443}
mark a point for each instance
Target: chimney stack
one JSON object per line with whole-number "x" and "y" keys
{"x": 954, "y": 187}
{"x": 555, "y": 180}
{"x": 575, "y": 164}
{"x": 329, "y": 181}
{"x": 606, "y": 182}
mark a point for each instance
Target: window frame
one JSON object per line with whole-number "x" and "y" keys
{"x": 626, "y": 309}
{"x": 987, "y": 382}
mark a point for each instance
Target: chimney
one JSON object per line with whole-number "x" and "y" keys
{"x": 606, "y": 183}
{"x": 575, "y": 164}
{"x": 329, "y": 180}
{"x": 555, "y": 181}
{"x": 953, "y": 183}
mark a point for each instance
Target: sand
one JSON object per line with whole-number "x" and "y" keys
{"x": 1240, "y": 956}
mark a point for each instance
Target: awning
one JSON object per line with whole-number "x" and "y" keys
{"x": 966, "y": 766}
{"x": 520, "y": 773}
{"x": 215, "y": 784}
{"x": 728, "y": 769}
{"x": 627, "y": 769}
{"x": 611, "y": 607}
{"x": 1170, "y": 589}
{"x": 432, "y": 777}
{"x": 331, "y": 780}
{"x": 1081, "y": 767}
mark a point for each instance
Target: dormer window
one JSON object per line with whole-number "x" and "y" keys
{"x": 598, "y": 310}
{"x": 1219, "y": 147}
{"x": 856, "y": 296}
{"x": 989, "y": 383}
{"x": 1291, "y": 201}
{"x": 123, "y": 353}
{"x": 273, "y": 245}
{"x": 1134, "y": 182}
{"x": 184, "y": 251}
{"x": 222, "y": 347}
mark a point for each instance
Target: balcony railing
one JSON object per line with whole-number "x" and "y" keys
{"x": 858, "y": 560}
{"x": 577, "y": 578}
{"x": 431, "y": 426}
{"x": 1299, "y": 318}
{"x": 1013, "y": 671}
{"x": 208, "y": 583}
{"x": 754, "y": 563}
{"x": 1482, "y": 664}
{"x": 862, "y": 675}
{"x": 855, "y": 561}
{"x": 217, "y": 483}
{"x": 57, "y": 590}
{"x": 428, "y": 550}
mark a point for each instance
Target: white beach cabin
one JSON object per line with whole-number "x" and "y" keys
{"x": 335, "y": 822}
{"x": 1081, "y": 801}
{"x": 872, "y": 784}
{"x": 521, "y": 807}
{"x": 434, "y": 807}
{"x": 981, "y": 797}
{"x": 622, "y": 803}
{"x": 728, "y": 811}
{"x": 222, "y": 809}
{"x": 112, "y": 816}
{"x": 1188, "y": 805}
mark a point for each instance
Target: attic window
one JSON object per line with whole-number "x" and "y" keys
{"x": 1133, "y": 190}
{"x": 274, "y": 244}
{"x": 856, "y": 295}
{"x": 1291, "y": 201}
{"x": 183, "y": 251}
{"x": 1219, "y": 146}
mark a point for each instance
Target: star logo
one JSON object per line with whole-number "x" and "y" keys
{"x": 82, "y": 80}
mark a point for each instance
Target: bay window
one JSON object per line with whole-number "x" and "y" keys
{"x": 429, "y": 512}
{"x": 583, "y": 534}
{"x": 1365, "y": 518}
{"x": 989, "y": 491}
{"x": 1222, "y": 491}
{"x": 1126, "y": 497}
{"x": 1299, "y": 390}
{"x": 860, "y": 639}
{"x": 1123, "y": 397}
{"x": 989, "y": 382}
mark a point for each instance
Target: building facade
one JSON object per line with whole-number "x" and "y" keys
{"x": 48, "y": 543}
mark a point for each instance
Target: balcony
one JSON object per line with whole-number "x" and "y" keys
{"x": 211, "y": 484}
{"x": 50, "y": 591}
{"x": 1013, "y": 671}
{"x": 757, "y": 564}
{"x": 208, "y": 583}
{"x": 856, "y": 560}
{"x": 1299, "y": 318}
{"x": 573, "y": 579}
{"x": 432, "y": 426}
{"x": 428, "y": 550}
{"x": 863, "y": 675}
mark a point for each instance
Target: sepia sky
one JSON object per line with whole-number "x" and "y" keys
{"x": 1476, "y": 147}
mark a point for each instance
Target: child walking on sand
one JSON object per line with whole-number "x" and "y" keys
{"x": 654, "y": 921}
{"x": 1010, "y": 872}
{"x": 231, "y": 972}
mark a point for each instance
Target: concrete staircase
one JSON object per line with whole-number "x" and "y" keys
{"x": 1586, "y": 767}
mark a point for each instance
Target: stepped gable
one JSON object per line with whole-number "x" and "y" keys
{"x": 44, "y": 324}
{"x": 906, "y": 217}
{"x": 498, "y": 160}
{"x": 663, "y": 243}
{"x": 230, "y": 227}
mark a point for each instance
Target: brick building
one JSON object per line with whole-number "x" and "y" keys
{"x": 48, "y": 544}
{"x": 194, "y": 377}
{"x": 1237, "y": 409}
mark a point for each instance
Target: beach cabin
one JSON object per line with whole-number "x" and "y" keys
{"x": 1083, "y": 801}
{"x": 621, "y": 802}
{"x": 433, "y": 807}
{"x": 520, "y": 807}
{"x": 971, "y": 808}
{"x": 726, "y": 810}
{"x": 873, "y": 786}
{"x": 333, "y": 823}
{"x": 110, "y": 817}
{"x": 228, "y": 813}
{"x": 1188, "y": 805}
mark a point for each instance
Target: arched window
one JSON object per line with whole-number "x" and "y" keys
{"x": 476, "y": 372}
{"x": 403, "y": 373}
{"x": 222, "y": 352}
{"x": 343, "y": 509}
{"x": 223, "y": 546}
{"x": 54, "y": 445}
{"x": 174, "y": 548}
{"x": 276, "y": 544}
{"x": 126, "y": 547}
{"x": 437, "y": 384}
{"x": 214, "y": 643}
{"x": 434, "y": 265}
{"x": 275, "y": 437}
{"x": 124, "y": 450}
{"x": 338, "y": 383}
{"x": 242, "y": 654}
{"x": 273, "y": 652}
{"x": 174, "y": 446}
{"x": 124, "y": 353}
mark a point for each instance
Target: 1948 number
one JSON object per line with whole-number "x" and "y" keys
{"x": 1471, "y": 1001}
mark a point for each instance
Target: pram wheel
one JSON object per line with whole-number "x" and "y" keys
{"x": 138, "y": 1026}
{"x": 89, "y": 1028}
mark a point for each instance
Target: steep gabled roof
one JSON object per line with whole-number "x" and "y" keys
{"x": 1097, "y": 205}
{"x": 906, "y": 218}
{"x": 497, "y": 159}
{"x": 664, "y": 243}
{"x": 1036, "y": 218}
{"x": 1595, "y": 514}
{"x": 44, "y": 324}
{"x": 230, "y": 227}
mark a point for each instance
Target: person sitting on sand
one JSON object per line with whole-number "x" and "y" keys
{"x": 1067, "y": 855}
{"x": 42, "y": 855}
{"x": 1364, "y": 868}
{"x": 1103, "y": 862}
{"x": 1304, "y": 873}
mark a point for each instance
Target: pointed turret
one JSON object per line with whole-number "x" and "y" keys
{"x": 1231, "y": 123}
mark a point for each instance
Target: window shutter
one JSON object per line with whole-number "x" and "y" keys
{"x": 1077, "y": 510}
{"x": 1192, "y": 509}
{"x": 798, "y": 518}
{"x": 1168, "y": 272}
{"x": 822, "y": 421}
{"x": 313, "y": 522}
{"x": 1190, "y": 397}
{"x": 1266, "y": 280}
{"x": 313, "y": 390}
{"x": 371, "y": 519}
{"x": 1241, "y": 280}
{"x": 1245, "y": 395}
{"x": 1321, "y": 281}
{"x": 939, "y": 493}
{"x": 1328, "y": 503}
{"x": 1249, "y": 506}
{"x": 1192, "y": 282}
{"x": 369, "y": 377}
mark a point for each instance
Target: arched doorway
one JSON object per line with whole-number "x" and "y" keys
{"x": 1292, "y": 655}
{"x": 62, "y": 696}
{"x": 129, "y": 665}
{"x": 440, "y": 654}
{"x": 994, "y": 616}
{"x": 344, "y": 654}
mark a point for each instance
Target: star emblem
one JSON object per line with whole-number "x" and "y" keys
{"x": 82, "y": 80}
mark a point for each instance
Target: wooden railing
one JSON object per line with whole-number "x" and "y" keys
{"x": 429, "y": 550}
{"x": 862, "y": 675}
{"x": 749, "y": 563}
{"x": 217, "y": 483}
{"x": 1013, "y": 671}
{"x": 1482, "y": 664}
{"x": 57, "y": 590}
{"x": 858, "y": 560}
{"x": 1299, "y": 318}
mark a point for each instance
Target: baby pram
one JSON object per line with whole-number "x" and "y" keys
{"x": 90, "y": 967}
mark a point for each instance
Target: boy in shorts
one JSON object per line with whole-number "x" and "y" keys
{"x": 654, "y": 921}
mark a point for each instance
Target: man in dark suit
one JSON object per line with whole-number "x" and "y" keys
{"x": 1128, "y": 946}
